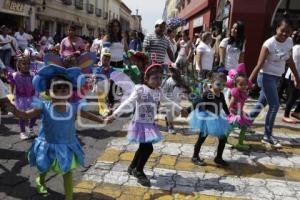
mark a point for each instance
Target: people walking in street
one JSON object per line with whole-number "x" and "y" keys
{"x": 171, "y": 34}
{"x": 206, "y": 119}
{"x": 97, "y": 45}
{"x": 70, "y": 48}
{"x": 23, "y": 39}
{"x": 274, "y": 55}
{"x": 174, "y": 89}
{"x": 142, "y": 128}
{"x": 135, "y": 43}
{"x": 205, "y": 56}
{"x": 156, "y": 43}
{"x": 117, "y": 44}
{"x": 293, "y": 92}
{"x": 6, "y": 43}
{"x": 185, "y": 53}
{"x": 22, "y": 88}
{"x": 232, "y": 48}
{"x": 56, "y": 148}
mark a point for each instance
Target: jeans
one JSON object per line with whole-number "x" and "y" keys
{"x": 268, "y": 96}
{"x": 5, "y": 56}
{"x": 293, "y": 95}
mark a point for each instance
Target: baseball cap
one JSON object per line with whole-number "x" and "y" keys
{"x": 159, "y": 22}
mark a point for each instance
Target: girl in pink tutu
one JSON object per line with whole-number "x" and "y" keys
{"x": 142, "y": 129}
{"x": 22, "y": 88}
{"x": 239, "y": 84}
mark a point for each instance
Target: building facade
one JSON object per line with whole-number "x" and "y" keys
{"x": 88, "y": 16}
{"x": 15, "y": 14}
{"x": 136, "y": 22}
{"x": 125, "y": 17}
{"x": 170, "y": 10}
{"x": 258, "y": 16}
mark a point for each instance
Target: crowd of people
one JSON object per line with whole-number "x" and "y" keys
{"x": 155, "y": 67}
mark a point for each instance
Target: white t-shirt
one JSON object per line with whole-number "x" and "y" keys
{"x": 5, "y": 39}
{"x": 208, "y": 54}
{"x": 23, "y": 39}
{"x": 296, "y": 58}
{"x": 3, "y": 90}
{"x": 97, "y": 45}
{"x": 46, "y": 41}
{"x": 117, "y": 50}
{"x": 232, "y": 54}
{"x": 279, "y": 53}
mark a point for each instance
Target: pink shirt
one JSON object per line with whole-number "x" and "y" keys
{"x": 66, "y": 48}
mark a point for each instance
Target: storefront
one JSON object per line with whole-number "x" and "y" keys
{"x": 15, "y": 14}
{"x": 199, "y": 15}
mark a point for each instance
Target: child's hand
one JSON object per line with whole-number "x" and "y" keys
{"x": 110, "y": 119}
{"x": 184, "y": 113}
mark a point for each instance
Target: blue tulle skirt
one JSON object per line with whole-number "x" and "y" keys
{"x": 139, "y": 132}
{"x": 208, "y": 123}
{"x": 43, "y": 154}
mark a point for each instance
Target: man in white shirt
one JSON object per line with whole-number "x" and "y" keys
{"x": 46, "y": 40}
{"x": 5, "y": 46}
{"x": 23, "y": 39}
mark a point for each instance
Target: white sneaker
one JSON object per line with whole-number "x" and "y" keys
{"x": 271, "y": 141}
{"x": 24, "y": 136}
{"x": 171, "y": 130}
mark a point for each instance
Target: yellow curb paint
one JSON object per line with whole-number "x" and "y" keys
{"x": 139, "y": 191}
{"x": 110, "y": 155}
{"x": 128, "y": 156}
{"x": 168, "y": 160}
{"x": 87, "y": 185}
{"x": 242, "y": 169}
{"x": 107, "y": 191}
{"x": 129, "y": 197}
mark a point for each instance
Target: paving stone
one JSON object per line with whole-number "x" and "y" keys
{"x": 185, "y": 189}
{"x": 171, "y": 149}
{"x": 280, "y": 189}
{"x": 103, "y": 166}
{"x": 163, "y": 172}
{"x": 162, "y": 182}
{"x": 114, "y": 177}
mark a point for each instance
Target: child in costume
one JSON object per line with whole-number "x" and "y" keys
{"x": 206, "y": 119}
{"x": 102, "y": 74}
{"x": 22, "y": 88}
{"x": 56, "y": 147}
{"x": 175, "y": 89}
{"x": 239, "y": 85}
{"x": 142, "y": 129}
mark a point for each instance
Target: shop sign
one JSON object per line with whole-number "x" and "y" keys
{"x": 14, "y": 6}
{"x": 198, "y": 22}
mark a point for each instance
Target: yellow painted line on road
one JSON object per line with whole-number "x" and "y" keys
{"x": 86, "y": 190}
{"x": 184, "y": 164}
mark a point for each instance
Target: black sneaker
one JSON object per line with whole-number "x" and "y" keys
{"x": 142, "y": 178}
{"x": 130, "y": 170}
{"x": 221, "y": 162}
{"x": 198, "y": 161}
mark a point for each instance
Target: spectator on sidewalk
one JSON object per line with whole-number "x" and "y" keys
{"x": 5, "y": 46}
{"x": 23, "y": 39}
{"x": 232, "y": 48}
{"x": 117, "y": 44}
{"x": 157, "y": 43}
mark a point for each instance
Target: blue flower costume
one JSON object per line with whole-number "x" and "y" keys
{"x": 56, "y": 147}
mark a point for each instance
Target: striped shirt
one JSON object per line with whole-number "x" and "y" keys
{"x": 158, "y": 45}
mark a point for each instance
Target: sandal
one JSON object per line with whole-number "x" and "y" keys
{"x": 288, "y": 120}
{"x": 295, "y": 115}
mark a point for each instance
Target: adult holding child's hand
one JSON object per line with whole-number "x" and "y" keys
{"x": 274, "y": 55}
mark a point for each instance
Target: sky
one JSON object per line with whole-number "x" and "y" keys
{"x": 150, "y": 10}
